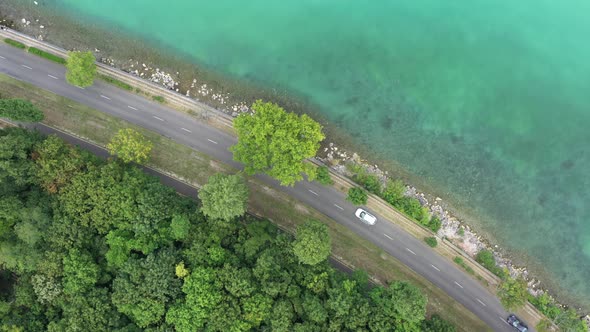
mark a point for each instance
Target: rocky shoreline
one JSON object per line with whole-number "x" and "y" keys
{"x": 453, "y": 229}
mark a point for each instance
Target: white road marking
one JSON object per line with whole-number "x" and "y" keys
{"x": 188, "y": 131}
{"x": 55, "y": 78}
{"x": 483, "y": 304}
{"x": 79, "y": 87}
{"x": 131, "y": 107}
{"x": 434, "y": 267}
{"x": 504, "y": 320}
{"x": 458, "y": 284}
{"x": 212, "y": 141}
{"x": 157, "y": 118}
{"x": 387, "y": 236}
{"x": 338, "y": 206}
{"x": 26, "y": 66}
{"x": 408, "y": 249}
{"x": 105, "y": 97}
{"x": 1, "y": 57}
{"x": 313, "y": 192}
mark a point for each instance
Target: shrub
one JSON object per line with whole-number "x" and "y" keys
{"x": 393, "y": 191}
{"x": 513, "y": 293}
{"x": 487, "y": 260}
{"x": 15, "y": 43}
{"x": 47, "y": 55}
{"x": 323, "y": 176}
{"x": 357, "y": 196}
{"x": 116, "y": 82}
{"x": 159, "y": 99}
{"x": 434, "y": 224}
{"x": 461, "y": 232}
{"x": 20, "y": 110}
{"x": 431, "y": 241}
{"x": 370, "y": 182}
{"x": 412, "y": 208}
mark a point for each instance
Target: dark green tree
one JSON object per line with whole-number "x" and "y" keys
{"x": 313, "y": 243}
{"x": 513, "y": 293}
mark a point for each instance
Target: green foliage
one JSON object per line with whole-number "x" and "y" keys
{"x": 434, "y": 224}
{"x": 544, "y": 326}
{"x": 431, "y": 241}
{"x": 20, "y": 110}
{"x": 81, "y": 68}
{"x": 276, "y": 142}
{"x": 461, "y": 231}
{"x": 357, "y": 196}
{"x": 369, "y": 182}
{"x": 159, "y": 99}
{"x": 513, "y": 293}
{"x": 393, "y": 191}
{"x": 487, "y": 260}
{"x": 565, "y": 319}
{"x": 116, "y": 82}
{"x": 224, "y": 196}
{"x": 323, "y": 176}
{"x": 108, "y": 248}
{"x": 15, "y": 43}
{"x": 130, "y": 146}
{"x": 144, "y": 287}
{"x": 47, "y": 55}
{"x": 437, "y": 324}
{"x": 80, "y": 272}
{"x": 464, "y": 265}
{"x": 313, "y": 243}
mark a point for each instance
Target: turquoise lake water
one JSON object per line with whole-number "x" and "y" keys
{"x": 487, "y": 100}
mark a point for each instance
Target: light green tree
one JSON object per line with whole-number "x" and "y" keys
{"x": 130, "y": 146}
{"x": 276, "y": 142}
{"x": 313, "y": 243}
{"x": 357, "y": 196}
{"x": 224, "y": 196}
{"x": 81, "y": 68}
{"x": 513, "y": 293}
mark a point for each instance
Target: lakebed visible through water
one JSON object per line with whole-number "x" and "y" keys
{"x": 486, "y": 101}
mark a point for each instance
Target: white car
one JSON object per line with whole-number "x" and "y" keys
{"x": 365, "y": 217}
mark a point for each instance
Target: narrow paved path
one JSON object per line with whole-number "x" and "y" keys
{"x": 187, "y": 131}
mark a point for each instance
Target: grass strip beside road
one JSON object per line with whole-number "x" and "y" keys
{"x": 15, "y": 43}
{"x": 194, "y": 167}
{"x": 47, "y": 55}
{"x": 116, "y": 82}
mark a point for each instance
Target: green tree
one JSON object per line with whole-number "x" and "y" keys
{"x": 357, "y": 196}
{"x": 224, "y": 196}
{"x": 130, "y": 146}
{"x": 513, "y": 293}
{"x": 80, "y": 272}
{"x": 144, "y": 287}
{"x": 313, "y": 243}
{"x": 276, "y": 142}
{"x": 81, "y": 68}
{"x": 17, "y": 169}
{"x": 20, "y": 110}
{"x": 401, "y": 301}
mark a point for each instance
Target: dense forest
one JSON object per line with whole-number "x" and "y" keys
{"x": 93, "y": 245}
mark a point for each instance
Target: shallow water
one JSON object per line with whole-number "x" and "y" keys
{"x": 487, "y": 100}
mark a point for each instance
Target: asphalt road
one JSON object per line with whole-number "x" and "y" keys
{"x": 188, "y": 131}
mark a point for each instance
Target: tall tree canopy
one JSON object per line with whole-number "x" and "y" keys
{"x": 224, "y": 196}
{"x": 276, "y": 142}
{"x": 81, "y": 68}
{"x": 313, "y": 243}
{"x": 90, "y": 245}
